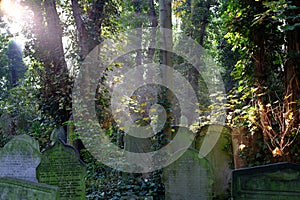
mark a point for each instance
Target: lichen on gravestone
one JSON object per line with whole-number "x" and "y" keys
{"x": 220, "y": 156}
{"x": 189, "y": 177}
{"x": 19, "y": 158}
{"x": 58, "y": 133}
{"x": 61, "y": 166}
{"x": 273, "y": 182}
{"x": 17, "y": 189}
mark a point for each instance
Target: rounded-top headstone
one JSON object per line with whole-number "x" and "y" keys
{"x": 61, "y": 166}
{"x": 19, "y": 158}
{"x": 219, "y": 157}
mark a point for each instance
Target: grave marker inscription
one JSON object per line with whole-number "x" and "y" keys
{"x": 19, "y": 158}
{"x": 189, "y": 178}
{"x": 61, "y": 166}
{"x": 273, "y": 182}
{"x": 17, "y": 189}
{"x": 219, "y": 157}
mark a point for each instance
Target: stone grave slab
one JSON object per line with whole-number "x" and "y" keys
{"x": 136, "y": 198}
{"x": 189, "y": 178}
{"x": 17, "y": 189}
{"x": 19, "y": 158}
{"x": 219, "y": 157}
{"x": 273, "y": 182}
{"x": 61, "y": 166}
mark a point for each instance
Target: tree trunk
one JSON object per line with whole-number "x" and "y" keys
{"x": 56, "y": 85}
{"x": 166, "y": 41}
{"x": 292, "y": 68}
{"x": 198, "y": 33}
{"x": 86, "y": 40}
{"x": 131, "y": 143}
{"x": 204, "y": 22}
{"x": 47, "y": 29}
{"x": 154, "y": 24}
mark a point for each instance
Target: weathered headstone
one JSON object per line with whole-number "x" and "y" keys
{"x": 6, "y": 124}
{"x": 189, "y": 177}
{"x": 58, "y": 133}
{"x": 17, "y": 189}
{"x": 273, "y": 182}
{"x": 220, "y": 157}
{"x": 61, "y": 166}
{"x": 136, "y": 198}
{"x": 19, "y": 158}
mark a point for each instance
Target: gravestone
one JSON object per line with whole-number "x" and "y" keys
{"x": 189, "y": 178}
{"x": 58, "y": 133}
{"x": 6, "y": 124}
{"x": 17, "y": 189}
{"x": 136, "y": 198}
{"x": 220, "y": 157}
{"x": 273, "y": 182}
{"x": 61, "y": 166}
{"x": 19, "y": 158}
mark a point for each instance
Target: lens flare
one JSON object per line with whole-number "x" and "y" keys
{"x": 15, "y": 14}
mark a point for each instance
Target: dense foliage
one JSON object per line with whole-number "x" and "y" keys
{"x": 266, "y": 99}
{"x": 254, "y": 43}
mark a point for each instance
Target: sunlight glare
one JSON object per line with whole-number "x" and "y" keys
{"x": 16, "y": 14}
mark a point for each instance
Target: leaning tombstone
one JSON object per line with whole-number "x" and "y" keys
{"x": 61, "y": 166}
{"x": 189, "y": 177}
{"x": 19, "y": 158}
{"x": 273, "y": 182}
{"x": 58, "y": 133}
{"x": 220, "y": 157}
{"x": 17, "y": 189}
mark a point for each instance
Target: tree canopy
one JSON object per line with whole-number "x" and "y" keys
{"x": 255, "y": 45}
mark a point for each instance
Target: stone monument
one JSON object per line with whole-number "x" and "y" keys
{"x": 19, "y": 158}
{"x": 189, "y": 178}
{"x": 220, "y": 157}
{"x": 17, "y": 189}
{"x": 273, "y": 182}
{"x": 61, "y": 166}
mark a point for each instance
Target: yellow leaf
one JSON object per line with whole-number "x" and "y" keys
{"x": 241, "y": 147}
{"x": 142, "y": 111}
{"x": 288, "y": 96}
{"x": 143, "y": 104}
{"x": 277, "y": 152}
{"x": 152, "y": 110}
{"x": 290, "y": 115}
{"x": 252, "y": 118}
{"x": 269, "y": 127}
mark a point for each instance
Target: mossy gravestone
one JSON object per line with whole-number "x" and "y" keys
{"x": 219, "y": 157}
{"x": 61, "y": 166}
{"x": 273, "y": 182}
{"x": 19, "y": 158}
{"x": 16, "y": 189}
{"x": 189, "y": 178}
{"x": 18, "y": 161}
{"x": 136, "y": 198}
